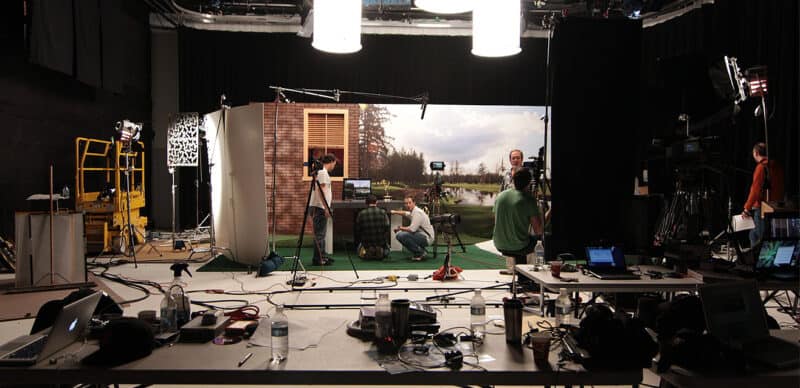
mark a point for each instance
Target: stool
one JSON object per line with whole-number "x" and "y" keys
{"x": 511, "y": 260}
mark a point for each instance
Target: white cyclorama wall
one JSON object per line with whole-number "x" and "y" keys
{"x": 238, "y": 198}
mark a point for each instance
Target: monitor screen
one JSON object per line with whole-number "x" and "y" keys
{"x": 356, "y": 188}
{"x": 784, "y": 228}
{"x": 598, "y": 256}
{"x": 775, "y": 254}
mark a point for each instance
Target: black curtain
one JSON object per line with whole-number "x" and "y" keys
{"x": 675, "y": 62}
{"x": 242, "y": 66}
{"x": 595, "y": 119}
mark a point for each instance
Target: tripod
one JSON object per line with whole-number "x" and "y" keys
{"x": 130, "y": 245}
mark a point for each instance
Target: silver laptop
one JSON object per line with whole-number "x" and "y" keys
{"x": 736, "y": 317}
{"x": 68, "y": 327}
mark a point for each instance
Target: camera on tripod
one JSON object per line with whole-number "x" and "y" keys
{"x": 535, "y": 165}
{"x": 314, "y": 165}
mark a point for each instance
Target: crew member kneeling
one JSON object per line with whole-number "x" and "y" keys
{"x": 417, "y": 235}
{"x": 372, "y": 231}
{"x": 515, "y": 212}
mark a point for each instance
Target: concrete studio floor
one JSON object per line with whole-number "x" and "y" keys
{"x": 242, "y": 282}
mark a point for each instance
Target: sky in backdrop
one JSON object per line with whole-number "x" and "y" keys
{"x": 470, "y": 134}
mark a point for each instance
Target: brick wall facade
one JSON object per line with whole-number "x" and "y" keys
{"x": 291, "y": 190}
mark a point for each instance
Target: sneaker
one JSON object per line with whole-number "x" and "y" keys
{"x": 418, "y": 258}
{"x": 330, "y": 260}
{"x": 320, "y": 262}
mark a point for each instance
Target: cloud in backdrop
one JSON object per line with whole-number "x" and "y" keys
{"x": 470, "y": 134}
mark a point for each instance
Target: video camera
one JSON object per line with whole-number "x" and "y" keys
{"x": 437, "y": 166}
{"x": 313, "y": 164}
{"x": 535, "y": 165}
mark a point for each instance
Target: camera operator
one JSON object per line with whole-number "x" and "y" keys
{"x": 515, "y": 158}
{"x": 515, "y": 213}
{"x": 767, "y": 186}
{"x": 319, "y": 210}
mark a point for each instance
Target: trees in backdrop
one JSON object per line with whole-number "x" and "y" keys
{"x": 373, "y": 144}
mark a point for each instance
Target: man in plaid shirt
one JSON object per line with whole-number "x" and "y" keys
{"x": 372, "y": 230}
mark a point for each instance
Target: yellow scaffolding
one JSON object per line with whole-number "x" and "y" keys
{"x": 106, "y": 212}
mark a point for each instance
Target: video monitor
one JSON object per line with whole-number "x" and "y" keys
{"x": 776, "y": 254}
{"x": 356, "y": 188}
{"x": 784, "y": 228}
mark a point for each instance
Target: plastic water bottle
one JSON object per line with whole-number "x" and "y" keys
{"x": 169, "y": 313}
{"x": 477, "y": 314}
{"x": 563, "y": 308}
{"x": 280, "y": 335}
{"x": 383, "y": 324}
{"x": 538, "y": 251}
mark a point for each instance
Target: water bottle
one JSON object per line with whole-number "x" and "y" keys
{"x": 383, "y": 324}
{"x": 477, "y": 314}
{"x": 563, "y": 308}
{"x": 169, "y": 314}
{"x": 539, "y": 253}
{"x": 279, "y": 335}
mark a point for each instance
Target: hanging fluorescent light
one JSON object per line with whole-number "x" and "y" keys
{"x": 496, "y": 28}
{"x": 444, "y": 6}
{"x": 337, "y": 26}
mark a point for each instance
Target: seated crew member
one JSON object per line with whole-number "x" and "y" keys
{"x": 515, "y": 159}
{"x": 372, "y": 231}
{"x": 515, "y": 212}
{"x": 419, "y": 233}
{"x": 767, "y": 186}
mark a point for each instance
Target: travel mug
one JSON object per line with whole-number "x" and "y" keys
{"x": 512, "y": 311}
{"x": 400, "y": 324}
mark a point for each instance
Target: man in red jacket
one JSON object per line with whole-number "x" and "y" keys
{"x": 767, "y": 186}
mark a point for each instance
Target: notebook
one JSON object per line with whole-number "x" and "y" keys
{"x": 608, "y": 263}
{"x": 69, "y": 325}
{"x": 736, "y": 317}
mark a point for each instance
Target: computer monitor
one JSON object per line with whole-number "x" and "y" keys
{"x": 356, "y": 188}
{"x": 783, "y": 227}
{"x": 777, "y": 254}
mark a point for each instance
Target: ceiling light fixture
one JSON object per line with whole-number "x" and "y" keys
{"x": 337, "y": 26}
{"x": 444, "y": 6}
{"x": 496, "y": 28}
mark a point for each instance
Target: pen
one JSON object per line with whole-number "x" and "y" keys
{"x": 246, "y": 357}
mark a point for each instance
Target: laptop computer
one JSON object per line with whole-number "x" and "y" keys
{"x": 608, "y": 263}
{"x": 736, "y": 317}
{"x": 67, "y": 328}
{"x": 779, "y": 258}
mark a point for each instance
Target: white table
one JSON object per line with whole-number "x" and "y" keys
{"x": 588, "y": 283}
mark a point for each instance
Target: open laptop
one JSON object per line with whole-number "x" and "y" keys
{"x": 67, "y": 328}
{"x": 779, "y": 258}
{"x": 736, "y": 317}
{"x": 608, "y": 263}
{"x": 356, "y": 188}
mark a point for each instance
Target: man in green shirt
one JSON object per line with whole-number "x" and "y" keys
{"x": 515, "y": 213}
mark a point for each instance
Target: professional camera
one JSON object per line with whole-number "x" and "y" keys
{"x": 313, "y": 164}
{"x": 437, "y": 166}
{"x": 535, "y": 165}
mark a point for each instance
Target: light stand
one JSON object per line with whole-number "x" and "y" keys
{"x": 549, "y": 24}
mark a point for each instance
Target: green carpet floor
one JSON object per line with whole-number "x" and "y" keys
{"x": 473, "y": 258}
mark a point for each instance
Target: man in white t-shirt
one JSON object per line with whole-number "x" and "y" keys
{"x": 418, "y": 234}
{"x": 319, "y": 210}
{"x": 515, "y": 159}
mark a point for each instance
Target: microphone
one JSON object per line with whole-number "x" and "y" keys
{"x": 424, "y": 105}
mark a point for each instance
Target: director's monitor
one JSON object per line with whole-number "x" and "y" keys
{"x": 356, "y": 188}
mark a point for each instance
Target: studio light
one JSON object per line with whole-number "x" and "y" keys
{"x": 337, "y": 26}
{"x": 128, "y": 131}
{"x": 444, "y": 6}
{"x": 757, "y": 80}
{"x": 496, "y": 28}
